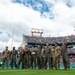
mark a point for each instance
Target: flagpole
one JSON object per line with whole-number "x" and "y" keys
{"x": 12, "y": 39}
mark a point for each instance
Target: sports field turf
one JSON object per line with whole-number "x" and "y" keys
{"x": 36, "y": 72}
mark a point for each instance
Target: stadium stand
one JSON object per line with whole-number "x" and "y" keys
{"x": 50, "y": 40}
{"x": 34, "y": 41}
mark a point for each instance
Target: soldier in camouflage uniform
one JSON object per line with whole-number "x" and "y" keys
{"x": 13, "y": 57}
{"x": 33, "y": 57}
{"x": 21, "y": 59}
{"x": 5, "y": 57}
{"x": 47, "y": 55}
{"x": 65, "y": 56}
{"x": 57, "y": 56}
{"x": 27, "y": 57}
{"x": 39, "y": 57}
{"x": 52, "y": 56}
{"x": 43, "y": 58}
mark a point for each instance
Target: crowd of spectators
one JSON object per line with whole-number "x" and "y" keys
{"x": 50, "y": 40}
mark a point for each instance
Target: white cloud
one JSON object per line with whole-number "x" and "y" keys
{"x": 5, "y": 2}
{"x": 4, "y": 44}
{"x": 22, "y": 18}
{"x": 4, "y": 37}
{"x": 13, "y": 43}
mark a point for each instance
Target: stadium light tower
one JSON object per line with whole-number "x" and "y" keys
{"x": 34, "y": 30}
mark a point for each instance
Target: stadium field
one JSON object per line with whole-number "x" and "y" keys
{"x": 36, "y": 72}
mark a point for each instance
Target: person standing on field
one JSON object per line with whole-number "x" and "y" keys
{"x": 5, "y": 57}
{"x": 33, "y": 58}
{"x": 39, "y": 57}
{"x": 65, "y": 56}
{"x": 57, "y": 56}
{"x": 47, "y": 52}
{"x": 21, "y": 59}
{"x": 13, "y": 57}
{"x": 27, "y": 57}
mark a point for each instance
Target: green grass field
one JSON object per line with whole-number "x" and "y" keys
{"x": 36, "y": 72}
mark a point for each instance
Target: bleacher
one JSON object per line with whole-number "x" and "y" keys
{"x": 50, "y": 40}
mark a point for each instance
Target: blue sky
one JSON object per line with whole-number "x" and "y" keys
{"x": 0, "y": 32}
{"x": 43, "y": 6}
{"x": 54, "y": 16}
{"x": 38, "y": 5}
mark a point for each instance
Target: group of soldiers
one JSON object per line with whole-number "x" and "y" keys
{"x": 37, "y": 57}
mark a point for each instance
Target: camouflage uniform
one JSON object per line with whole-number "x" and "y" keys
{"x": 21, "y": 59}
{"x": 47, "y": 56}
{"x": 43, "y": 58}
{"x": 65, "y": 57}
{"x": 39, "y": 57}
{"x": 13, "y": 57}
{"x": 5, "y": 56}
{"x": 52, "y": 56}
{"x": 57, "y": 57}
{"x": 27, "y": 58}
{"x": 33, "y": 57}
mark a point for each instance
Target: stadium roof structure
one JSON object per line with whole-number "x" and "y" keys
{"x": 50, "y": 40}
